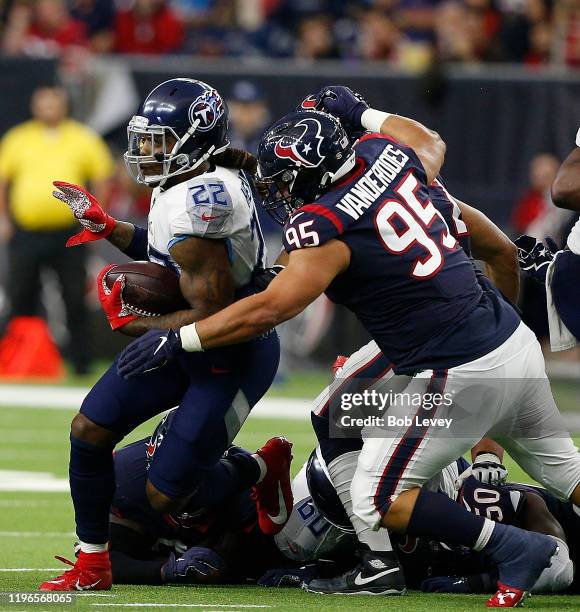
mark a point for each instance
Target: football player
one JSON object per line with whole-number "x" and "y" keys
{"x": 203, "y": 224}
{"x": 557, "y": 269}
{"x": 361, "y": 228}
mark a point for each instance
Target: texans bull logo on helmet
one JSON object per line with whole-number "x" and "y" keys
{"x": 206, "y": 109}
{"x": 305, "y": 150}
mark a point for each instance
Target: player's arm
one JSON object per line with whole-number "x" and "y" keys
{"x": 353, "y": 112}
{"x": 566, "y": 186}
{"x": 495, "y": 249}
{"x": 307, "y": 275}
{"x": 427, "y": 144}
{"x": 206, "y": 282}
{"x": 537, "y": 517}
{"x": 6, "y": 228}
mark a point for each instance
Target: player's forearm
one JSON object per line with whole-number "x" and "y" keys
{"x": 505, "y": 275}
{"x": 174, "y": 320}
{"x": 487, "y": 445}
{"x": 566, "y": 186}
{"x": 239, "y": 322}
{"x": 122, "y": 235}
{"x": 426, "y": 143}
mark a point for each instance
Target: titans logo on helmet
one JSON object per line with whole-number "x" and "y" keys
{"x": 206, "y": 109}
{"x": 305, "y": 150}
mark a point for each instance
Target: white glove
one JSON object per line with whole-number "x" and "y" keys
{"x": 487, "y": 468}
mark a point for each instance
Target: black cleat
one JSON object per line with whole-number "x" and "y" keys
{"x": 378, "y": 573}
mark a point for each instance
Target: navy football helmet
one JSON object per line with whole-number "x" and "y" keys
{"x": 181, "y": 123}
{"x": 299, "y": 157}
{"x": 324, "y": 494}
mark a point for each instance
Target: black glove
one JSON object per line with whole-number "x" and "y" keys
{"x": 535, "y": 257}
{"x": 264, "y": 277}
{"x": 345, "y": 104}
{"x": 197, "y": 564}
{"x": 149, "y": 352}
{"x": 288, "y": 577}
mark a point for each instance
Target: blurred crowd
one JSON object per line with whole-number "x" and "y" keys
{"x": 410, "y": 34}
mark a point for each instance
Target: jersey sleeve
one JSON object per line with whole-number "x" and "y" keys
{"x": 310, "y": 226}
{"x": 578, "y": 138}
{"x": 206, "y": 213}
{"x": 8, "y": 155}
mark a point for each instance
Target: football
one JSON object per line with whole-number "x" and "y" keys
{"x": 150, "y": 289}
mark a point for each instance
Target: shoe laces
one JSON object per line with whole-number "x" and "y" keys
{"x": 70, "y": 572}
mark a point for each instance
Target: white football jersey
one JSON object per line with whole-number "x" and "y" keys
{"x": 308, "y": 536}
{"x": 215, "y": 205}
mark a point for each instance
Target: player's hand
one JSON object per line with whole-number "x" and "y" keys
{"x": 487, "y": 468}
{"x": 345, "y": 104}
{"x": 264, "y": 277}
{"x": 112, "y": 300}
{"x": 288, "y": 576}
{"x": 149, "y": 352}
{"x": 445, "y": 584}
{"x": 96, "y": 222}
{"x": 534, "y": 257}
{"x": 197, "y": 564}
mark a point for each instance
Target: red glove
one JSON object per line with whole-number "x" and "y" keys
{"x": 112, "y": 300}
{"x": 96, "y": 222}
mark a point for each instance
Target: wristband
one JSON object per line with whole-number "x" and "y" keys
{"x": 372, "y": 120}
{"x": 190, "y": 339}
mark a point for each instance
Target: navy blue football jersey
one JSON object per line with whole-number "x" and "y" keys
{"x": 409, "y": 282}
{"x": 507, "y": 503}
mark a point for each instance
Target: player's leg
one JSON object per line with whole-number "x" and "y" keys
{"x": 539, "y": 441}
{"x": 113, "y": 408}
{"x": 187, "y": 468}
{"x": 365, "y": 368}
{"x": 389, "y": 486}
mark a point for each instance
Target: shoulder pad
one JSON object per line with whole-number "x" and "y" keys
{"x": 311, "y": 225}
{"x": 208, "y": 209}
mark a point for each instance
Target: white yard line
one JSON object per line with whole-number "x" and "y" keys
{"x": 37, "y": 534}
{"x": 70, "y": 398}
{"x": 30, "y": 569}
{"x": 178, "y": 605}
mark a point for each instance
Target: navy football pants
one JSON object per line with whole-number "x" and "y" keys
{"x": 214, "y": 392}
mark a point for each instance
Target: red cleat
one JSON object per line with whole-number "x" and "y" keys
{"x": 274, "y": 493}
{"x": 338, "y": 365}
{"x": 91, "y": 572}
{"x": 507, "y": 597}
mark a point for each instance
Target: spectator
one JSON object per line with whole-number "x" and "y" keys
{"x": 32, "y": 155}
{"x": 316, "y": 39}
{"x": 149, "y": 27}
{"x": 248, "y": 116}
{"x": 378, "y": 36}
{"x": 42, "y": 29}
{"x": 98, "y": 17}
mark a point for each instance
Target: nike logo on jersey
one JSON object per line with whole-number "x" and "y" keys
{"x": 86, "y": 587}
{"x": 282, "y": 515}
{"x": 359, "y": 580}
{"x": 205, "y": 217}
{"x": 163, "y": 340}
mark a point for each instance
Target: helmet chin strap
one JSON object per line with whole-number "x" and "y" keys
{"x": 343, "y": 170}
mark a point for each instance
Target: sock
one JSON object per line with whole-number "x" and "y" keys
{"x": 92, "y": 486}
{"x": 93, "y": 548}
{"x": 261, "y": 467}
{"x": 439, "y": 518}
{"x": 342, "y": 471}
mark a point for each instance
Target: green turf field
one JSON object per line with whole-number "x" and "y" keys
{"x": 35, "y": 525}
